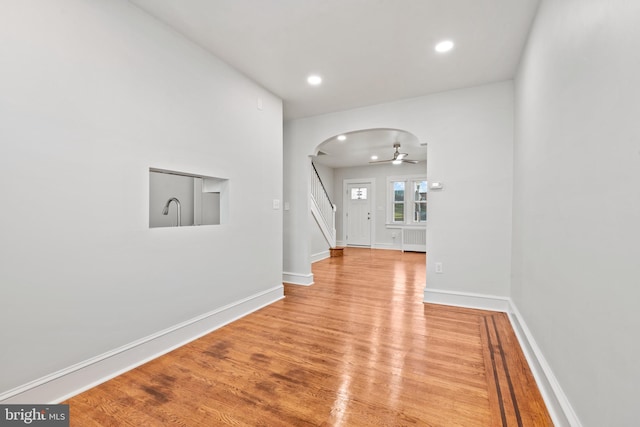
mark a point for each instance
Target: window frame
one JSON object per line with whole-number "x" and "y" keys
{"x": 416, "y": 202}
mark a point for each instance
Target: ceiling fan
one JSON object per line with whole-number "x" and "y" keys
{"x": 398, "y": 157}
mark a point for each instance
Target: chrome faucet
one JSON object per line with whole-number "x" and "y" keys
{"x": 165, "y": 211}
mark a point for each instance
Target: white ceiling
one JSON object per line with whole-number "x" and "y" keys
{"x": 367, "y": 51}
{"x": 359, "y": 146}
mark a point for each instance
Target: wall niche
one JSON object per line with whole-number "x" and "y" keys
{"x": 179, "y": 199}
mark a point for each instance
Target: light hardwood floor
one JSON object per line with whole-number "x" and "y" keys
{"x": 358, "y": 348}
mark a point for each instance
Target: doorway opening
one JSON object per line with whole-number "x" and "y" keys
{"x": 355, "y": 168}
{"x": 358, "y": 212}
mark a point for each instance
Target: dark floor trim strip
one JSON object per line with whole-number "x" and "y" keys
{"x": 506, "y": 370}
{"x": 495, "y": 374}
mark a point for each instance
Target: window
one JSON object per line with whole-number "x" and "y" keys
{"x": 419, "y": 201}
{"x": 407, "y": 200}
{"x": 398, "y": 201}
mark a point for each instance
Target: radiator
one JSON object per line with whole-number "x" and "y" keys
{"x": 414, "y": 239}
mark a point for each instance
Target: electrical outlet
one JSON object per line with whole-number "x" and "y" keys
{"x": 438, "y": 267}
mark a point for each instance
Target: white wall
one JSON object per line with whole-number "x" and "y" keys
{"x": 318, "y": 245}
{"x": 576, "y": 228}
{"x": 470, "y": 137}
{"x": 93, "y": 94}
{"x": 379, "y": 173}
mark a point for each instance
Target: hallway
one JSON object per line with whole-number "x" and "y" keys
{"x": 358, "y": 348}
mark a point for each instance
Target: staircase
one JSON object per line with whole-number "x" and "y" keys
{"x": 323, "y": 210}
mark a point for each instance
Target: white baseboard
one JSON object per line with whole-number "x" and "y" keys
{"x": 297, "y": 278}
{"x": 320, "y": 256}
{"x": 75, "y": 379}
{"x": 388, "y": 246}
{"x": 558, "y": 405}
{"x": 414, "y": 248}
{"x": 466, "y": 299}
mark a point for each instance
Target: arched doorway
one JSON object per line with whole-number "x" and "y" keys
{"x": 356, "y": 170}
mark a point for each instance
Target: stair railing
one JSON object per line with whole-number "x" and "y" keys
{"x": 323, "y": 209}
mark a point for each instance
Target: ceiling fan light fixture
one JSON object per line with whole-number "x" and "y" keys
{"x": 397, "y": 159}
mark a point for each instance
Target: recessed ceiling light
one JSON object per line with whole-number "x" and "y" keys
{"x": 341, "y": 137}
{"x": 374, "y": 157}
{"x": 444, "y": 46}
{"x": 314, "y": 80}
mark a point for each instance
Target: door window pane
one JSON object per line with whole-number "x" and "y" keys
{"x": 359, "y": 193}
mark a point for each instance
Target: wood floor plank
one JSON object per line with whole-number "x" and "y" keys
{"x": 358, "y": 348}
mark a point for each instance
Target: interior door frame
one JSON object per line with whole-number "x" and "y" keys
{"x": 345, "y": 201}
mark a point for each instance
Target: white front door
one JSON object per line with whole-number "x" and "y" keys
{"x": 358, "y": 230}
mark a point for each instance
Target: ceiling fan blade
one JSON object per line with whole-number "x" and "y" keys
{"x": 398, "y": 157}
